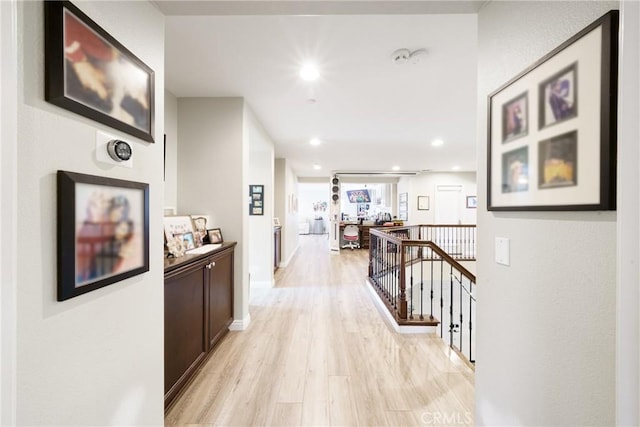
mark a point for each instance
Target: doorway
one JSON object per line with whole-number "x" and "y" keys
{"x": 448, "y": 202}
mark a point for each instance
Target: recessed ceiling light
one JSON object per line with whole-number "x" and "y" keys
{"x": 317, "y": 167}
{"x": 314, "y": 141}
{"x": 395, "y": 168}
{"x": 455, "y": 168}
{"x": 437, "y": 142}
{"x": 309, "y": 72}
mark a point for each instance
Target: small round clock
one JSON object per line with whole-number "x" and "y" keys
{"x": 119, "y": 151}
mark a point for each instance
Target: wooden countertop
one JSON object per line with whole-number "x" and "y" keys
{"x": 171, "y": 264}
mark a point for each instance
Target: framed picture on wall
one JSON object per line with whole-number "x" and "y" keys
{"x": 552, "y": 128}
{"x": 403, "y": 206}
{"x": 103, "y": 232}
{"x": 90, "y": 73}
{"x": 423, "y": 203}
{"x": 256, "y": 199}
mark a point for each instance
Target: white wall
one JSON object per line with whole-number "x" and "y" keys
{"x": 546, "y": 324}
{"x": 286, "y": 184}
{"x": 426, "y": 184}
{"x": 96, "y": 359}
{"x": 628, "y": 289}
{"x": 213, "y": 160}
{"x": 261, "y": 245}
{"x": 8, "y": 213}
{"x": 311, "y": 193}
{"x": 171, "y": 159}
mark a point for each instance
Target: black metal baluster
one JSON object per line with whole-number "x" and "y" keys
{"x": 461, "y": 318}
{"x": 450, "y": 306}
{"x": 431, "y": 261}
{"x": 471, "y": 301}
{"x": 441, "y": 298}
{"x": 411, "y": 279}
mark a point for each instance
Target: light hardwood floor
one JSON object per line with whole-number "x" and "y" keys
{"x": 318, "y": 353}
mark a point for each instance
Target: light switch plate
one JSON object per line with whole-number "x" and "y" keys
{"x": 502, "y": 251}
{"x": 102, "y": 155}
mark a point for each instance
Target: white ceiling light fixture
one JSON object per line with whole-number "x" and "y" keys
{"x": 455, "y": 168}
{"x": 395, "y": 168}
{"x": 317, "y": 167}
{"x": 315, "y": 142}
{"x": 402, "y": 56}
{"x": 309, "y": 72}
{"x": 437, "y": 143}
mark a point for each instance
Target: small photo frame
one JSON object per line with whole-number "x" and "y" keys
{"x": 103, "y": 232}
{"x": 175, "y": 227}
{"x": 189, "y": 241}
{"x": 559, "y": 97}
{"x": 515, "y": 170}
{"x": 558, "y": 161}
{"x": 199, "y": 229}
{"x": 215, "y": 235}
{"x": 472, "y": 202}
{"x": 515, "y": 121}
{"x": 423, "y": 203}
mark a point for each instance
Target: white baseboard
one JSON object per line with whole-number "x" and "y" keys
{"x": 286, "y": 262}
{"x": 401, "y": 329}
{"x": 261, "y": 284}
{"x": 240, "y": 325}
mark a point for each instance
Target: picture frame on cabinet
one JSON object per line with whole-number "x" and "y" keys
{"x": 215, "y": 236}
{"x": 88, "y": 72}
{"x": 552, "y": 128}
{"x": 199, "y": 229}
{"x": 102, "y": 232}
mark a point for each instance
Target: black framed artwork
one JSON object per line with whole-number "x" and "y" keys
{"x": 89, "y": 72}
{"x": 256, "y": 200}
{"x": 552, "y": 128}
{"x": 102, "y": 233}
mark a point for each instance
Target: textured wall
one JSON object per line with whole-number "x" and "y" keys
{"x": 260, "y": 226}
{"x": 546, "y": 324}
{"x": 171, "y": 158}
{"x": 96, "y": 359}
{"x": 212, "y": 165}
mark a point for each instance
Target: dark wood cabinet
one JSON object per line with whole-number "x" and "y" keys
{"x": 277, "y": 250}
{"x": 198, "y": 309}
{"x": 220, "y": 296}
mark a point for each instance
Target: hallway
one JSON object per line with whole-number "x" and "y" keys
{"x": 317, "y": 353}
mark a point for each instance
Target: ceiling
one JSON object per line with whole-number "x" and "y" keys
{"x": 370, "y": 113}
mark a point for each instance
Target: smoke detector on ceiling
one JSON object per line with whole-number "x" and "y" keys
{"x": 402, "y": 56}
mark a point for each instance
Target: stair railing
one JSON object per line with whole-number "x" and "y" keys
{"x": 421, "y": 284}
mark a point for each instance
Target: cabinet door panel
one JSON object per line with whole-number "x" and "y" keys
{"x": 220, "y": 297}
{"x": 185, "y": 341}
